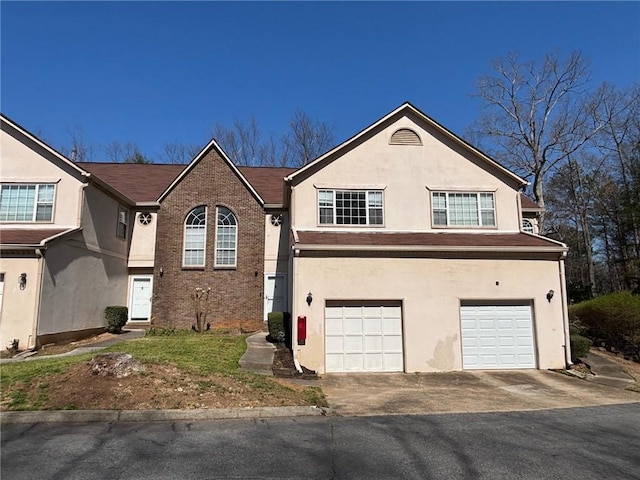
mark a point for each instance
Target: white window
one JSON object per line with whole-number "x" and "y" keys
{"x": 463, "y": 209}
{"x": 123, "y": 222}
{"x": 27, "y": 203}
{"x": 195, "y": 234}
{"x": 226, "y": 238}
{"x": 527, "y": 225}
{"x": 350, "y": 207}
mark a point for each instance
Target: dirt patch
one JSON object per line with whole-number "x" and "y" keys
{"x": 158, "y": 387}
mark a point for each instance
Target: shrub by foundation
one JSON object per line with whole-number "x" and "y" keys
{"x": 276, "y": 322}
{"x": 579, "y": 347}
{"x": 116, "y": 317}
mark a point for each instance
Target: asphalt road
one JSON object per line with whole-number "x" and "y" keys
{"x": 577, "y": 443}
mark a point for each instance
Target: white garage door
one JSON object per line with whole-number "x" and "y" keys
{"x": 497, "y": 337}
{"x": 364, "y": 337}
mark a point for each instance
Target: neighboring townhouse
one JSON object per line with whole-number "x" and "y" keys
{"x": 65, "y": 238}
{"x": 410, "y": 254}
{"x": 143, "y": 184}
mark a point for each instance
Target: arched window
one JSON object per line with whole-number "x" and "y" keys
{"x": 195, "y": 237}
{"x": 527, "y": 225}
{"x": 226, "y": 238}
{"x": 405, "y": 136}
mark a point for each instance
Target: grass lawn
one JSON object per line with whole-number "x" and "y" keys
{"x": 181, "y": 370}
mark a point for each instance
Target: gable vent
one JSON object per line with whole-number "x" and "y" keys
{"x": 405, "y": 136}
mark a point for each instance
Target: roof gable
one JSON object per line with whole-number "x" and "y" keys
{"x": 406, "y": 109}
{"x": 47, "y": 152}
{"x": 212, "y": 145}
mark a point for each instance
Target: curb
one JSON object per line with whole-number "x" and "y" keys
{"x": 111, "y": 416}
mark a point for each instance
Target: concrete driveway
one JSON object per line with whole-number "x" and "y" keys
{"x": 477, "y": 391}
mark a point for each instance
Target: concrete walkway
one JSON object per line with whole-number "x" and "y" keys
{"x": 90, "y": 348}
{"x": 259, "y": 355}
{"x": 607, "y": 372}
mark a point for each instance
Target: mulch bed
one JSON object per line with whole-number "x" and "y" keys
{"x": 284, "y": 367}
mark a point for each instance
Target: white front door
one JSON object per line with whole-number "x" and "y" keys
{"x": 364, "y": 337}
{"x": 275, "y": 289}
{"x": 141, "y": 291}
{"x": 497, "y": 337}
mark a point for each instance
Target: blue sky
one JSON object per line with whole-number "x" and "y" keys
{"x": 160, "y": 72}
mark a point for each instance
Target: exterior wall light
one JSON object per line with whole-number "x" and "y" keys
{"x": 309, "y": 298}
{"x": 550, "y": 295}
{"x": 22, "y": 281}
{"x": 161, "y": 271}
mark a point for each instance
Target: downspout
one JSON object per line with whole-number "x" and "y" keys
{"x": 33, "y": 338}
{"x": 565, "y": 313}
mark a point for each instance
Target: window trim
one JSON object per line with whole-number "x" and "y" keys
{"x": 366, "y": 191}
{"x": 447, "y": 211}
{"x": 530, "y": 229}
{"x": 36, "y": 203}
{"x": 223, "y": 266}
{"x": 184, "y": 240}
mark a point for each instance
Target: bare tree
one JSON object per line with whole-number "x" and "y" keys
{"x": 79, "y": 149}
{"x": 305, "y": 140}
{"x": 537, "y": 115}
{"x": 178, "y": 153}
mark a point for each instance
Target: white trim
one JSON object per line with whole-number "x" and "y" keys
{"x": 132, "y": 279}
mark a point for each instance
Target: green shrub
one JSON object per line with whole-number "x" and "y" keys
{"x": 612, "y": 320}
{"x": 276, "y": 322}
{"x": 162, "y": 332}
{"x": 116, "y": 317}
{"x": 579, "y": 347}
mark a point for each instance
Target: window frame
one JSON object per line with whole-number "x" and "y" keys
{"x": 185, "y": 229}
{"x": 333, "y": 206}
{"x": 218, "y": 253}
{"x": 122, "y": 226}
{"x": 438, "y": 208}
{"x": 36, "y": 201}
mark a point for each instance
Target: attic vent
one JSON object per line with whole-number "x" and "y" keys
{"x": 405, "y": 136}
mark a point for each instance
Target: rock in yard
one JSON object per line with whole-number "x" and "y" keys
{"x": 117, "y": 365}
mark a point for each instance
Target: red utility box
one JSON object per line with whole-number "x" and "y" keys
{"x": 302, "y": 330}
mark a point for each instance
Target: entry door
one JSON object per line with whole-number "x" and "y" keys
{"x": 275, "y": 299}
{"x": 141, "y": 291}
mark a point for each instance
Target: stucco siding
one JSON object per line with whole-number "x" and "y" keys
{"x": 143, "y": 242}
{"x": 431, "y": 291}
{"x": 406, "y": 174}
{"x": 19, "y": 307}
{"x": 21, "y": 164}
{"x": 276, "y": 241}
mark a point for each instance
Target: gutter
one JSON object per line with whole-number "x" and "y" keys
{"x": 420, "y": 248}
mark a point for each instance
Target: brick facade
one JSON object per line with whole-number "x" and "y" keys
{"x": 236, "y": 294}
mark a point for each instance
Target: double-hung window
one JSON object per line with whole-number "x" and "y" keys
{"x": 350, "y": 207}
{"x": 27, "y": 203}
{"x": 123, "y": 222}
{"x": 455, "y": 209}
{"x": 195, "y": 234}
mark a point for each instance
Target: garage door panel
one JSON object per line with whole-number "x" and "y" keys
{"x": 370, "y": 337}
{"x": 333, "y": 326}
{"x": 372, "y": 326}
{"x": 497, "y": 336}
